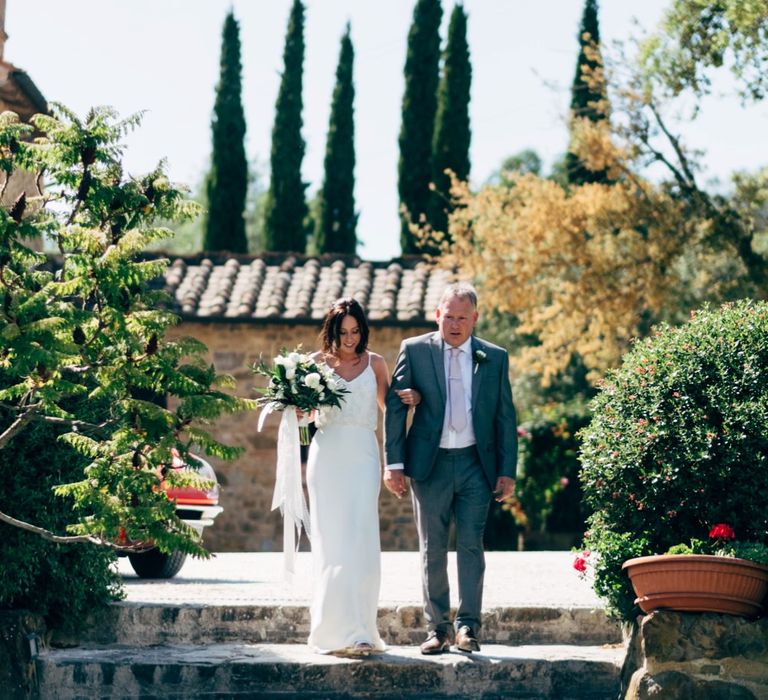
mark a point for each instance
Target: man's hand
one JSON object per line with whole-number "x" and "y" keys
{"x": 394, "y": 481}
{"x": 505, "y": 487}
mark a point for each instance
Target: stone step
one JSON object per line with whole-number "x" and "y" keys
{"x": 143, "y": 624}
{"x": 269, "y": 671}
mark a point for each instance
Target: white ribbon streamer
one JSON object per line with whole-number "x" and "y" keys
{"x": 289, "y": 493}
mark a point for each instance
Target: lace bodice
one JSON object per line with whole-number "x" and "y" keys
{"x": 359, "y": 407}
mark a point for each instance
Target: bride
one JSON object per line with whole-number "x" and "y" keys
{"x": 343, "y": 478}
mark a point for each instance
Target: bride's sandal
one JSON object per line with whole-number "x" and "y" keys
{"x": 362, "y": 649}
{"x": 356, "y": 651}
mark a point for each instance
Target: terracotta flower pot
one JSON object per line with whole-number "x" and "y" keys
{"x": 699, "y": 583}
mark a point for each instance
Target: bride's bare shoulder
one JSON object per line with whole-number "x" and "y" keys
{"x": 377, "y": 360}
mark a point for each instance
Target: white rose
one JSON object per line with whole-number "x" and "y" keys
{"x": 331, "y": 383}
{"x": 312, "y": 380}
{"x": 290, "y": 365}
{"x": 294, "y": 357}
{"x": 290, "y": 373}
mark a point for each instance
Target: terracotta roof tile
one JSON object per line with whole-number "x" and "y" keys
{"x": 297, "y": 288}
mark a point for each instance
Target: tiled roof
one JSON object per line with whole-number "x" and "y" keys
{"x": 290, "y": 287}
{"x": 18, "y": 92}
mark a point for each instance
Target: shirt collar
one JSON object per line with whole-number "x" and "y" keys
{"x": 466, "y": 346}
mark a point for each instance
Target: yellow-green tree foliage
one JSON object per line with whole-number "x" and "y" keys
{"x": 585, "y": 268}
{"x": 581, "y": 270}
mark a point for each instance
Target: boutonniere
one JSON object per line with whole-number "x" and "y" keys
{"x": 478, "y": 358}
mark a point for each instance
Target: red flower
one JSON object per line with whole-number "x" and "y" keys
{"x": 721, "y": 531}
{"x": 580, "y": 564}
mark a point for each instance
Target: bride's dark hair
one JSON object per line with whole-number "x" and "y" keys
{"x": 330, "y": 335}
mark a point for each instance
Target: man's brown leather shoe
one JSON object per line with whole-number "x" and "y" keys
{"x": 466, "y": 641}
{"x": 435, "y": 643}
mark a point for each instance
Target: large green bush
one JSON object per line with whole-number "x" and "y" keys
{"x": 548, "y": 496}
{"x": 61, "y": 582}
{"x": 679, "y": 442}
{"x": 548, "y": 485}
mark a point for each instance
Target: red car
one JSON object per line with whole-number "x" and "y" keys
{"x": 196, "y": 507}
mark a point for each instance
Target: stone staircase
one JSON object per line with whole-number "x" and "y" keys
{"x": 229, "y": 649}
{"x": 157, "y": 651}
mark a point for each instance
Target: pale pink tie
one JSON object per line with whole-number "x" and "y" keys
{"x": 456, "y": 393}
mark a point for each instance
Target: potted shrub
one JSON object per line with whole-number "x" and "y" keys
{"x": 721, "y": 575}
{"x": 678, "y": 443}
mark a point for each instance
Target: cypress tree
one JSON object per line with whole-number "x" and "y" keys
{"x": 588, "y": 100}
{"x": 228, "y": 178}
{"x": 286, "y": 205}
{"x": 450, "y": 149}
{"x": 418, "y": 117}
{"x": 337, "y": 220}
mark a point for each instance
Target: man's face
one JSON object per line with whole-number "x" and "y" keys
{"x": 456, "y": 319}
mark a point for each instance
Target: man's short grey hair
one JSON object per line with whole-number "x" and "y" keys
{"x": 459, "y": 290}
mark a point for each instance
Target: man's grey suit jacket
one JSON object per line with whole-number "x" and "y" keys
{"x": 420, "y": 366}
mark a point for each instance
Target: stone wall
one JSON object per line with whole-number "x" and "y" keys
{"x": 247, "y": 523}
{"x": 682, "y": 656}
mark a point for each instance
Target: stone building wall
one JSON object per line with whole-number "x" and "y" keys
{"x": 247, "y": 523}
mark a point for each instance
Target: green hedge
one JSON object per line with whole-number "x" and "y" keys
{"x": 61, "y": 582}
{"x": 679, "y": 443}
{"x": 548, "y": 486}
{"x": 548, "y": 491}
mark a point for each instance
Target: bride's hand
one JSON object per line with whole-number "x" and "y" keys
{"x": 301, "y": 415}
{"x": 410, "y": 397}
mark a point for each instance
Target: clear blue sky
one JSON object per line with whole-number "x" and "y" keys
{"x": 162, "y": 56}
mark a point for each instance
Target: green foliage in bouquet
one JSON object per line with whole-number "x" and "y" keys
{"x": 295, "y": 379}
{"x": 679, "y": 443}
{"x": 83, "y": 337}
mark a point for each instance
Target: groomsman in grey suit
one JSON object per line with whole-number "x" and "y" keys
{"x": 460, "y": 451}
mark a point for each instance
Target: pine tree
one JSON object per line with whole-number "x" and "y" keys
{"x": 588, "y": 97}
{"x": 337, "y": 220}
{"x": 286, "y": 206}
{"x": 452, "y": 131}
{"x": 418, "y": 118}
{"x": 228, "y": 178}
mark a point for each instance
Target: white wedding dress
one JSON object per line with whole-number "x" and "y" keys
{"x": 343, "y": 479}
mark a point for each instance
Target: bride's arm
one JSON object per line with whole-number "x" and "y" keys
{"x": 410, "y": 397}
{"x": 379, "y": 365}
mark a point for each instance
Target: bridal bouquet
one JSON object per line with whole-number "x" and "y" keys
{"x": 298, "y": 381}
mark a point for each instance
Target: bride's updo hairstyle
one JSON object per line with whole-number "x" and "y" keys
{"x": 330, "y": 335}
